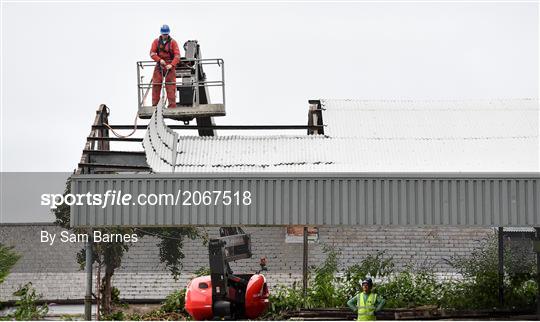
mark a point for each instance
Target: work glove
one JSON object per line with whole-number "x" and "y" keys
{"x": 169, "y": 66}
{"x": 162, "y": 62}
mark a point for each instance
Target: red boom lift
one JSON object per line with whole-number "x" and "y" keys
{"x": 224, "y": 294}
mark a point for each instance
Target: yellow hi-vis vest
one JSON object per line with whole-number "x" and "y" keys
{"x": 366, "y": 311}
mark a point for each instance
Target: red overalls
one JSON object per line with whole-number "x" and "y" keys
{"x": 170, "y": 53}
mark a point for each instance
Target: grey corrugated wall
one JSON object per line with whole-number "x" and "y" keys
{"x": 322, "y": 199}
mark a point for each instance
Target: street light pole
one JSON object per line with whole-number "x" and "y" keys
{"x": 537, "y": 249}
{"x": 88, "y": 265}
{"x": 305, "y": 262}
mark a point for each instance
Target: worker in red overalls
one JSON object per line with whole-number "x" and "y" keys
{"x": 166, "y": 53}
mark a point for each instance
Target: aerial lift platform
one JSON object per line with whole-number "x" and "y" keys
{"x": 192, "y": 86}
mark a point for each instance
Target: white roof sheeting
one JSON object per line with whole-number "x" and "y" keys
{"x": 385, "y": 136}
{"x": 432, "y": 120}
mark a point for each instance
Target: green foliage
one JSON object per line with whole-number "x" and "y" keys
{"x": 416, "y": 286}
{"x": 8, "y": 259}
{"x": 283, "y": 299}
{"x": 170, "y": 246}
{"x": 378, "y": 265}
{"x": 26, "y": 307}
{"x": 409, "y": 289}
{"x": 524, "y": 295}
{"x": 480, "y": 272}
{"x": 172, "y": 309}
{"x": 322, "y": 289}
{"x": 114, "y": 316}
{"x": 202, "y": 271}
{"x": 71, "y": 317}
{"x": 115, "y": 296}
{"x": 480, "y": 286}
{"x": 175, "y": 302}
{"x": 63, "y": 211}
{"x": 156, "y": 315}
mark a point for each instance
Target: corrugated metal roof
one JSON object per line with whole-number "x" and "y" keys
{"x": 319, "y": 153}
{"x": 431, "y": 120}
{"x": 385, "y": 136}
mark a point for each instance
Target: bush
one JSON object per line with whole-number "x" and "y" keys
{"x": 327, "y": 288}
{"x": 175, "y": 302}
{"x": 171, "y": 309}
{"x": 480, "y": 286}
{"x": 202, "y": 271}
{"x": 322, "y": 291}
{"x": 376, "y": 266}
{"x": 26, "y": 307}
{"x": 477, "y": 289}
{"x": 411, "y": 289}
{"x": 285, "y": 298}
{"x": 114, "y": 316}
{"x": 115, "y": 296}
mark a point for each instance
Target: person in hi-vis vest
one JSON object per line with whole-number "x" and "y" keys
{"x": 366, "y": 303}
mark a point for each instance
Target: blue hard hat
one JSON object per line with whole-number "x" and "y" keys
{"x": 165, "y": 30}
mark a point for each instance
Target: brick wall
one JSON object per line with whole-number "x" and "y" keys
{"x": 55, "y": 273}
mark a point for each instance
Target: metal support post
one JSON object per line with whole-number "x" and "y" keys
{"x": 305, "y": 262}
{"x": 222, "y": 81}
{"x": 197, "y": 96}
{"x": 140, "y": 100}
{"x": 88, "y": 264}
{"x": 501, "y": 266}
{"x": 537, "y": 249}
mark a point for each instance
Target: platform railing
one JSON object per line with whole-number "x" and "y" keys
{"x": 145, "y": 71}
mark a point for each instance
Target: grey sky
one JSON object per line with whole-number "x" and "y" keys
{"x": 60, "y": 61}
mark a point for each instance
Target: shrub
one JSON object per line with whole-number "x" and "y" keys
{"x": 322, "y": 291}
{"x": 480, "y": 286}
{"x": 114, "y": 316}
{"x": 411, "y": 289}
{"x": 175, "y": 302}
{"x": 285, "y": 298}
{"x": 26, "y": 307}
{"x": 171, "y": 309}
{"x": 376, "y": 266}
{"x": 202, "y": 271}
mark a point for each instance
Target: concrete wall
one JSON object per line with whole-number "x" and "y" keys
{"x": 55, "y": 274}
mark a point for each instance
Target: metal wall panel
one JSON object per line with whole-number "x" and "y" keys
{"x": 320, "y": 199}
